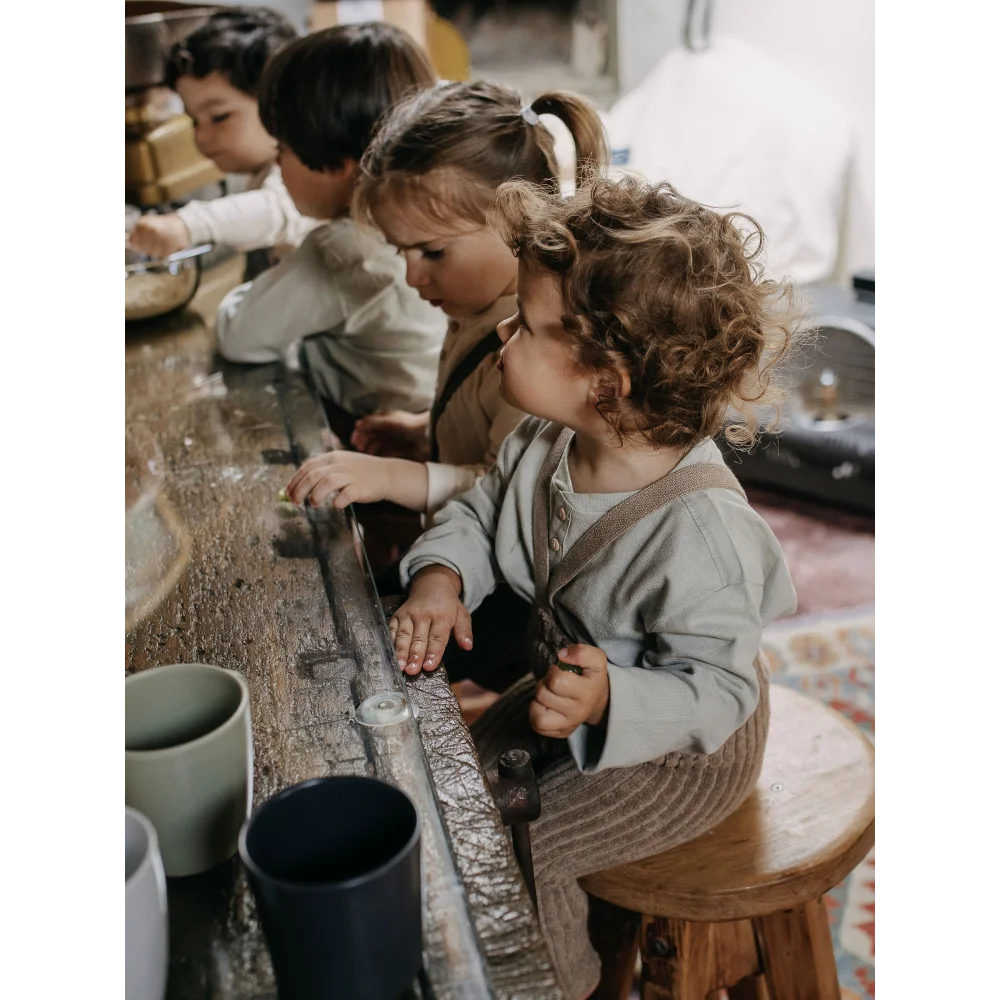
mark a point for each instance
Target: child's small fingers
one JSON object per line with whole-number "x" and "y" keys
{"x": 437, "y": 641}
{"x": 401, "y": 637}
{"x": 564, "y": 683}
{"x": 306, "y": 490}
{"x": 374, "y": 422}
{"x": 463, "y": 628}
{"x": 294, "y": 489}
{"x": 418, "y": 646}
{"x": 307, "y": 475}
{"x": 547, "y": 722}
{"x": 545, "y": 696}
{"x": 347, "y": 495}
{"x": 582, "y": 655}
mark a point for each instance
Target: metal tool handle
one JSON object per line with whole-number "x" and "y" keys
{"x": 517, "y": 798}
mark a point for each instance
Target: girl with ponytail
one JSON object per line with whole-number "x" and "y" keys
{"x": 428, "y": 180}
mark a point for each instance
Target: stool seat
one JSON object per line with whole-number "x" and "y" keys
{"x": 808, "y": 823}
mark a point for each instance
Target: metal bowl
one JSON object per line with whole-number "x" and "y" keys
{"x": 159, "y": 287}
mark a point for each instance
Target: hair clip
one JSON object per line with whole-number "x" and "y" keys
{"x": 529, "y": 114}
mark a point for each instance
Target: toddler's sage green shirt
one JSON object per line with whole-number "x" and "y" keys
{"x": 677, "y": 603}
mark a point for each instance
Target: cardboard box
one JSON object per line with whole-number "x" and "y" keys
{"x": 410, "y": 15}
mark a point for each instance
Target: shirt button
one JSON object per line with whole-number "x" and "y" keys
{"x": 561, "y": 513}
{"x": 554, "y": 544}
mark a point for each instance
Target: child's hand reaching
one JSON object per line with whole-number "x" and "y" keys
{"x": 357, "y": 478}
{"x": 564, "y": 700}
{"x": 159, "y": 235}
{"x": 421, "y": 626}
{"x": 396, "y": 434}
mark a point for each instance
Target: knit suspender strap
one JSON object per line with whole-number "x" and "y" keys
{"x": 615, "y": 522}
{"x": 480, "y": 350}
{"x": 540, "y": 514}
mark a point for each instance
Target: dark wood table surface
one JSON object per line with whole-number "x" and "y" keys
{"x": 219, "y": 571}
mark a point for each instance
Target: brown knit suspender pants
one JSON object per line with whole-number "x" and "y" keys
{"x": 590, "y": 822}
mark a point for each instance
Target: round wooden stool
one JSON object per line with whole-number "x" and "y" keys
{"x": 741, "y": 907}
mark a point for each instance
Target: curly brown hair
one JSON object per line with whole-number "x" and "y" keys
{"x": 664, "y": 290}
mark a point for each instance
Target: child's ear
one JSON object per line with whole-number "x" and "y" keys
{"x": 617, "y": 382}
{"x": 347, "y": 171}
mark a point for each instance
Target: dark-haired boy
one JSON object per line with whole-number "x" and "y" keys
{"x": 369, "y": 339}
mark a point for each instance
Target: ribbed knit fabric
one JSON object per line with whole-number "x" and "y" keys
{"x": 593, "y": 821}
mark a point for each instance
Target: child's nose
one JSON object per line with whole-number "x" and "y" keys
{"x": 201, "y": 134}
{"x": 415, "y": 274}
{"x": 505, "y": 329}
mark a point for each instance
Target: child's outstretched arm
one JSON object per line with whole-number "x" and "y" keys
{"x": 422, "y": 625}
{"x": 358, "y": 478}
{"x": 248, "y": 220}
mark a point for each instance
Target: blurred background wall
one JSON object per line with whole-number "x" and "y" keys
{"x": 832, "y": 42}
{"x": 605, "y": 49}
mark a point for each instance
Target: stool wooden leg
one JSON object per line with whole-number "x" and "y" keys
{"x": 614, "y": 933}
{"x": 683, "y": 960}
{"x": 796, "y": 951}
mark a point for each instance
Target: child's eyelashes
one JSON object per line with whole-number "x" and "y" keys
{"x": 219, "y": 119}
{"x": 424, "y": 252}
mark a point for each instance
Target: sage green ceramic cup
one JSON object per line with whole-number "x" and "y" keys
{"x": 189, "y": 760}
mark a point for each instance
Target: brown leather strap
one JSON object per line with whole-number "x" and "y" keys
{"x": 480, "y": 350}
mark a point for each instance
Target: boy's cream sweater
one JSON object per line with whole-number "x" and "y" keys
{"x": 369, "y": 339}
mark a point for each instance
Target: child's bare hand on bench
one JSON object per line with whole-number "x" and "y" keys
{"x": 421, "y": 626}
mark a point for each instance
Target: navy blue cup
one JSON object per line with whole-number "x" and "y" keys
{"x": 334, "y": 865}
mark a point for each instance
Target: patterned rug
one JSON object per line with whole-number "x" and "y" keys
{"x": 832, "y": 657}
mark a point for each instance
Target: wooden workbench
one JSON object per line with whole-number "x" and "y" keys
{"x": 218, "y": 571}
